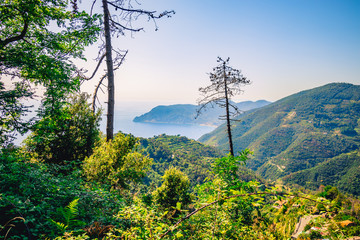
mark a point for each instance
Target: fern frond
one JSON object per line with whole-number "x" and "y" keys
{"x": 69, "y": 214}
{"x": 71, "y": 211}
{"x": 61, "y": 226}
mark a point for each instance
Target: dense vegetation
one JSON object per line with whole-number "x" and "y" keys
{"x": 47, "y": 200}
{"x": 339, "y": 171}
{"x": 191, "y": 157}
{"x": 300, "y": 132}
{"x": 66, "y": 181}
{"x": 186, "y": 113}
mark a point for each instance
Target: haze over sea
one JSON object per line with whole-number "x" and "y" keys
{"x": 125, "y": 112}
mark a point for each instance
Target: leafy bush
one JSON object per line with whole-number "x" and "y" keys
{"x": 330, "y": 192}
{"x": 173, "y": 191}
{"x": 116, "y": 162}
{"x": 227, "y": 168}
{"x": 315, "y": 234}
{"x": 31, "y": 191}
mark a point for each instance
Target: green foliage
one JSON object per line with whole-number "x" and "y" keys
{"x": 140, "y": 222}
{"x": 68, "y": 217}
{"x": 116, "y": 163}
{"x": 35, "y": 192}
{"x": 307, "y": 227}
{"x": 189, "y": 156}
{"x": 227, "y": 168}
{"x": 315, "y": 235}
{"x": 331, "y": 192}
{"x": 31, "y": 54}
{"x": 224, "y": 206}
{"x": 11, "y": 113}
{"x": 66, "y": 137}
{"x": 174, "y": 191}
{"x": 339, "y": 171}
{"x": 233, "y": 209}
{"x": 37, "y": 54}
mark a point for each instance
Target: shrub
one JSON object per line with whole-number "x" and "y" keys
{"x": 116, "y": 162}
{"x": 31, "y": 194}
{"x": 173, "y": 191}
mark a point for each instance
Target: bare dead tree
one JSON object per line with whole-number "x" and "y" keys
{"x": 226, "y": 82}
{"x": 118, "y": 18}
{"x": 116, "y": 25}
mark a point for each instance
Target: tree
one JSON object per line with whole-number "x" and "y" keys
{"x": 225, "y": 83}
{"x": 32, "y": 52}
{"x": 67, "y": 137}
{"x": 117, "y": 25}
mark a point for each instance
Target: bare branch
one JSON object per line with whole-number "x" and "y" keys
{"x": 96, "y": 91}
{"x": 124, "y": 27}
{"x": 92, "y": 7}
{"x": 150, "y": 14}
{"x": 98, "y": 86}
{"x": 96, "y": 69}
{"x": 83, "y": 77}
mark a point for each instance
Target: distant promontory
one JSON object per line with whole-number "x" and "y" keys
{"x": 185, "y": 113}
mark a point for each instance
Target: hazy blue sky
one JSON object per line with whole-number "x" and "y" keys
{"x": 283, "y": 46}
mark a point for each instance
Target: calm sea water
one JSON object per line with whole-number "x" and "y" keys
{"x": 126, "y": 112}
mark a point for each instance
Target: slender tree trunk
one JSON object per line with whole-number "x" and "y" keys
{"x": 228, "y": 114}
{"x": 110, "y": 74}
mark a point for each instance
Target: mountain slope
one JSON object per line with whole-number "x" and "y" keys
{"x": 191, "y": 157}
{"x": 342, "y": 171}
{"x": 186, "y": 113}
{"x": 297, "y": 132}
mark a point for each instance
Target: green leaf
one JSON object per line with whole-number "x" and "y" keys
{"x": 178, "y": 206}
{"x": 179, "y": 235}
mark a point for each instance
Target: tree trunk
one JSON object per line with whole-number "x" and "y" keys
{"x": 228, "y": 114}
{"x": 110, "y": 74}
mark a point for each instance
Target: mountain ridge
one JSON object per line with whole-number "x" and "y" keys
{"x": 297, "y": 132}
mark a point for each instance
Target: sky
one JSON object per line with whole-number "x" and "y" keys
{"x": 282, "y": 46}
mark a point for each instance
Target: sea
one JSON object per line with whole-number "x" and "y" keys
{"x": 126, "y": 112}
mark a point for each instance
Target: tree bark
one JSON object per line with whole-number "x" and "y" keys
{"x": 110, "y": 74}
{"x": 228, "y": 113}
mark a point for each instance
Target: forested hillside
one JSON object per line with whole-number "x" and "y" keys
{"x": 342, "y": 171}
{"x": 191, "y": 157}
{"x": 186, "y": 113}
{"x": 299, "y": 132}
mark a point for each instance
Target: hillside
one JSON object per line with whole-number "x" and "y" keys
{"x": 300, "y": 132}
{"x": 191, "y": 157}
{"x": 342, "y": 171}
{"x": 186, "y": 113}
